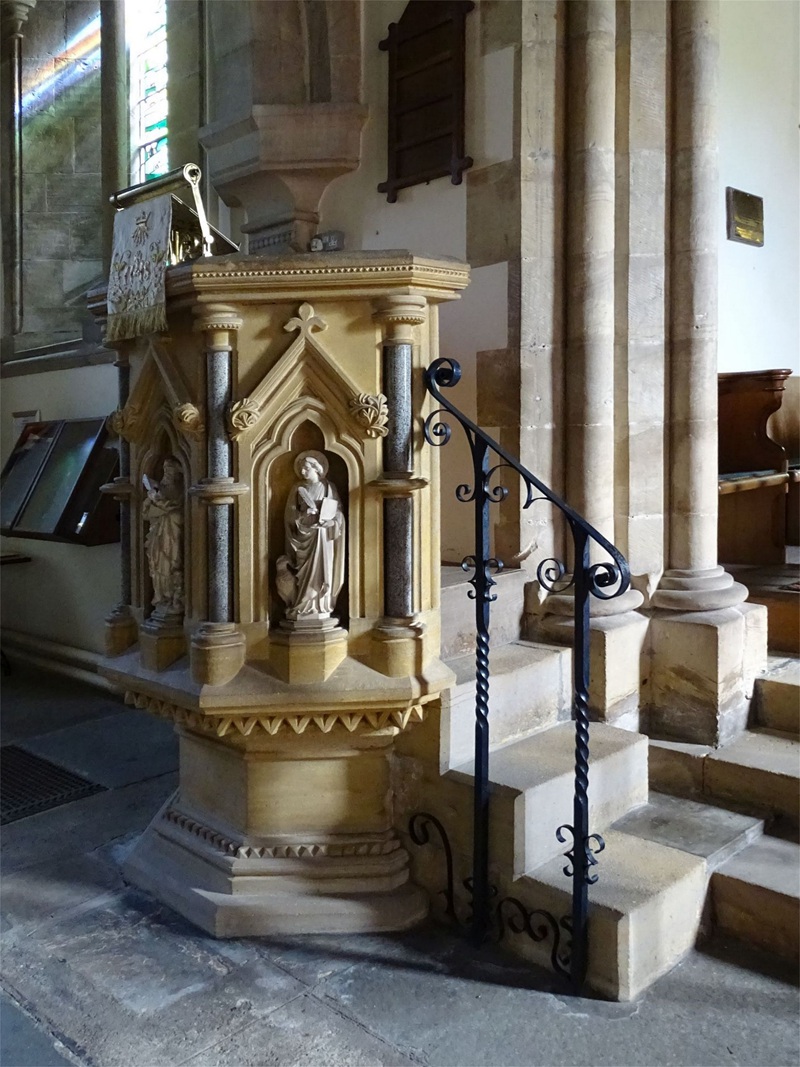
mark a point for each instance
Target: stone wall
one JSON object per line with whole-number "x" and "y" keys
{"x": 62, "y": 253}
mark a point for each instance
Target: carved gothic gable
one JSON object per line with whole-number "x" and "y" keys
{"x": 305, "y": 381}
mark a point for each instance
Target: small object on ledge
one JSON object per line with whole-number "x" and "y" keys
{"x": 328, "y": 241}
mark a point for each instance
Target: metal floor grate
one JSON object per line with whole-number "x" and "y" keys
{"x": 29, "y": 784}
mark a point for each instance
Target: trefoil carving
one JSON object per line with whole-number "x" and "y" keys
{"x": 305, "y": 321}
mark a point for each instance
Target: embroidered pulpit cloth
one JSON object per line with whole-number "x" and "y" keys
{"x": 139, "y": 259}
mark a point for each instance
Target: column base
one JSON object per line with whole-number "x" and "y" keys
{"x": 700, "y": 590}
{"x": 217, "y": 653}
{"x": 703, "y": 669}
{"x": 301, "y": 656}
{"x": 398, "y": 650}
{"x": 231, "y": 887}
{"x": 161, "y": 642}
{"x": 120, "y": 631}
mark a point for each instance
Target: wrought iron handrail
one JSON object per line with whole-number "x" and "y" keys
{"x": 605, "y": 580}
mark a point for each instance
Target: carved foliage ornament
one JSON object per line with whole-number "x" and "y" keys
{"x": 188, "y": 420}
{"x": 242, "y": 414}
{"x": 125, "y": 422}
{"x": 372, "y": 412}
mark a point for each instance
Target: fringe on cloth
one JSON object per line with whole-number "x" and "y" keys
{"x": 136, "y": 323}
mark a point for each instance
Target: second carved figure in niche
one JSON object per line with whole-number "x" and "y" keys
{"x": 163, "y": 510}
{"x": 311, "y": 573}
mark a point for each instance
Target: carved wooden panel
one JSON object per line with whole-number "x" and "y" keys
{"x": 426, "y": 94}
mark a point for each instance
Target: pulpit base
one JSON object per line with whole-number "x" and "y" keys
{"x": 254, "y": 897}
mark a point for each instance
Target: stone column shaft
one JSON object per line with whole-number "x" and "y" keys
{"x": 398, "y": 514}
{"x": 115, "y": 116}
{"x": 218, "y": 396}
{"x": 399, "y": 314}
{"x": 693, "y": 580}
{"x": 590, "y": 118}
{"x": 124, "y": 387}
{"x": 14, "y": 15}
{"x": 218, "y": 647}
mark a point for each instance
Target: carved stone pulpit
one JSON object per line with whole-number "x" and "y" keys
{"x": 280, "y": 559}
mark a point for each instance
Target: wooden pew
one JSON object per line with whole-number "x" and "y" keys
{"x": 753, "y": 469}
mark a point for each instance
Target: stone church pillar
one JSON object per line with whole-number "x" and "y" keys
{"x": 710, "y": 630}
{"x": 590, "y": 120}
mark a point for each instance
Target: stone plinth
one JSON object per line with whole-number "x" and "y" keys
{"x": 264, "y": 435}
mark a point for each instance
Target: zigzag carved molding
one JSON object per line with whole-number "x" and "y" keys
{"x": 272, "y": 722}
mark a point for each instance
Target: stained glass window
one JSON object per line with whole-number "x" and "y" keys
{"x": 147, "y": 48}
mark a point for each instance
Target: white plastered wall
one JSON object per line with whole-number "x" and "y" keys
{"x": 432, "y": 219}
{"x": 759, "y": 288}
{"x": 66, "y": 590}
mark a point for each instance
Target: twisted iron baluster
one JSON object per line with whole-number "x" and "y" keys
{"x": 482, "y": 584}
{"x": 580, "y": 817}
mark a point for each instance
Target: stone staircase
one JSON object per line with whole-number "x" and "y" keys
{"x": 674, "y": 865}
{"x": 755, "y": 895}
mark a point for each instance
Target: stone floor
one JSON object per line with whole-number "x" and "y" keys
{"x": 96, "y": 973}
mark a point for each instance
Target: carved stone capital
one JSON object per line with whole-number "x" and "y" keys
{"x": 372, "y": 413}
{"x": 188, "y": 420}
{"x": 15, "y": 14}
{"x": 242, "y": 416}
{"x": 398, "y": 315}
{"x": 217, "y": 321}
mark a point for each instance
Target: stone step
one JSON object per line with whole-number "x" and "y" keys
{"x": 757, "y": 769}
{"x": 777, "y": 586}
{"x": 530, "y": 688}
{"x": 532, "y": 789}
{"x": 645, "y": 911}
{"x": 714, "y": 834}
{"x": 458, "y": 611}
{"x": 776, "y": 700}
{"x": 756, "y": 896}
{"x": 758, "y": 773}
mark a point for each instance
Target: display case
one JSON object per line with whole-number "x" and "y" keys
{"x": 50, "y": 486}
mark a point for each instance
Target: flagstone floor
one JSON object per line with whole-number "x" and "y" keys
{"x": 96, "y": 973}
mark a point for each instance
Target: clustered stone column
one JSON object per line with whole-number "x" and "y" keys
{"x": 398, "y": 315}
{"x": 707, "y": 645}
{"x": 591, "y": 73}
{"x": 590, "y": 351}
{"x": 218, "y": 647}
{"x": 694, "y": 581}
{"x": 114, "y": 117}
{"x": 14, "y": 16}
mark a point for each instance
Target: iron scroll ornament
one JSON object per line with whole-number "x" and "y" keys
{"x": 604, "y": 580}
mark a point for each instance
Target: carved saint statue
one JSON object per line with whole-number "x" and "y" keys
{"x": 163, "y": 510}
{"x": 311, "y": 574}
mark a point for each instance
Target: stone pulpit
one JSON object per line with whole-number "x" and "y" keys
{"x": 280, "y": 580}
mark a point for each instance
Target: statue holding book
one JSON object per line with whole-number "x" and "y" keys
{"x": 311, "y": 573}
{"x": 163, "y": 510}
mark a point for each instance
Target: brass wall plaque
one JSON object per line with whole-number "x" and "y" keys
{"x": 745, "y": 217}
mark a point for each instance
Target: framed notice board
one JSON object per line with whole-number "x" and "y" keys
{"x": 50, "y": 486}
{"x": 426, "y": 94}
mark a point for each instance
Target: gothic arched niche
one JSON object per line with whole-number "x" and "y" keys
{"x": 165, "y": 448}
{"x": 282, "y": 477}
